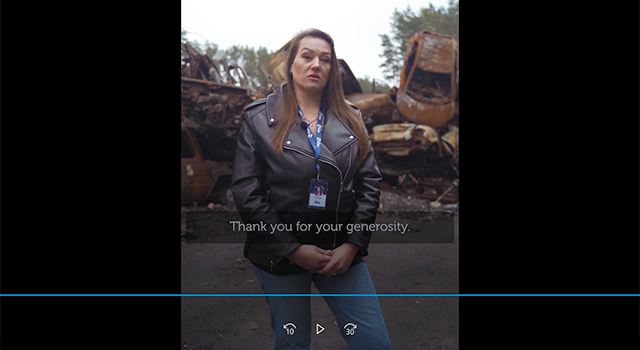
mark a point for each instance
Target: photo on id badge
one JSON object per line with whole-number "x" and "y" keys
{"x": 318, "y": 193}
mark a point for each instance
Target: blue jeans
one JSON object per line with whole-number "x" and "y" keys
{"x": 364, "y": 312}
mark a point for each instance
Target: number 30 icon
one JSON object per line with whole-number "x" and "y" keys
{"x": 350, "y": 328}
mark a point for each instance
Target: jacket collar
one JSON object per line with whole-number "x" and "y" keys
{"x": 271, "y": 104}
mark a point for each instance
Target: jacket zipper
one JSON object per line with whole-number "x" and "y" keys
{"x": 295, "y": 149}
{"x": 335, "y": 234}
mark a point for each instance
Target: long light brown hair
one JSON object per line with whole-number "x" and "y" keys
{"x": 332, "y": 97}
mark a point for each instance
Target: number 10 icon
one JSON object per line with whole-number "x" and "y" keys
{"x": 291, "y": 328}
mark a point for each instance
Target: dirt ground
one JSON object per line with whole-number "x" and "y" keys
{"x": 242, "y": 322}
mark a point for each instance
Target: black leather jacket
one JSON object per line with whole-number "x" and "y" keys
{"x": 269, "y": 188}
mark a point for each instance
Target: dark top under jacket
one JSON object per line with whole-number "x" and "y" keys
{"x": 270, "y": 188}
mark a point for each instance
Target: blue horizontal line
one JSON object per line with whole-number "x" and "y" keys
{"x": 311, "y": 295}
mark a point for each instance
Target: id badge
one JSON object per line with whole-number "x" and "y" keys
{"x": 318, "y": 193}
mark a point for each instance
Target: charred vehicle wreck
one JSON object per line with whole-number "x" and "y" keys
{"x": 212, "y": 100}
{"x": 426, "y": 146}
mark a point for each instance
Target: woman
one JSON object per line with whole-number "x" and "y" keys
{"x": 304, "y": 136}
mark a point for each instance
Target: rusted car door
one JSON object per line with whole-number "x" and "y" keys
{"x": 195, "y": 180}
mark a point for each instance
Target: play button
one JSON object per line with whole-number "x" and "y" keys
{"x": 319, "y": 329}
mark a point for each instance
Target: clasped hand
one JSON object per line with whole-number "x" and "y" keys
{"x": 321, "y": 261}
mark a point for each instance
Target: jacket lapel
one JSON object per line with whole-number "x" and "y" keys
{"x": 336, "y": 136}
{"x": 298, "y": 138}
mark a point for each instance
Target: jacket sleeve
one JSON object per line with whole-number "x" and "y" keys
{"x": 366, "y": 184}
{"x": 251, "y": 199}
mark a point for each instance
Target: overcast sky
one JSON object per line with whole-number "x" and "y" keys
{"x": 353, "y": 24}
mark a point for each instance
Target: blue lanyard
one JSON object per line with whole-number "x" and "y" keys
{"x": 315, "y": 144}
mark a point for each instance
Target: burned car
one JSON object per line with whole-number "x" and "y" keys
{"x": 429, "y": 79}
{"x": 212, "y": 101}
{"x": 427, "y": 97}
{"x": 201, "y": 180}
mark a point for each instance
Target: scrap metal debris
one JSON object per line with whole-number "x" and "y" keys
{"x": 212, "y": 101}
{"x": 376, "y": 108}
